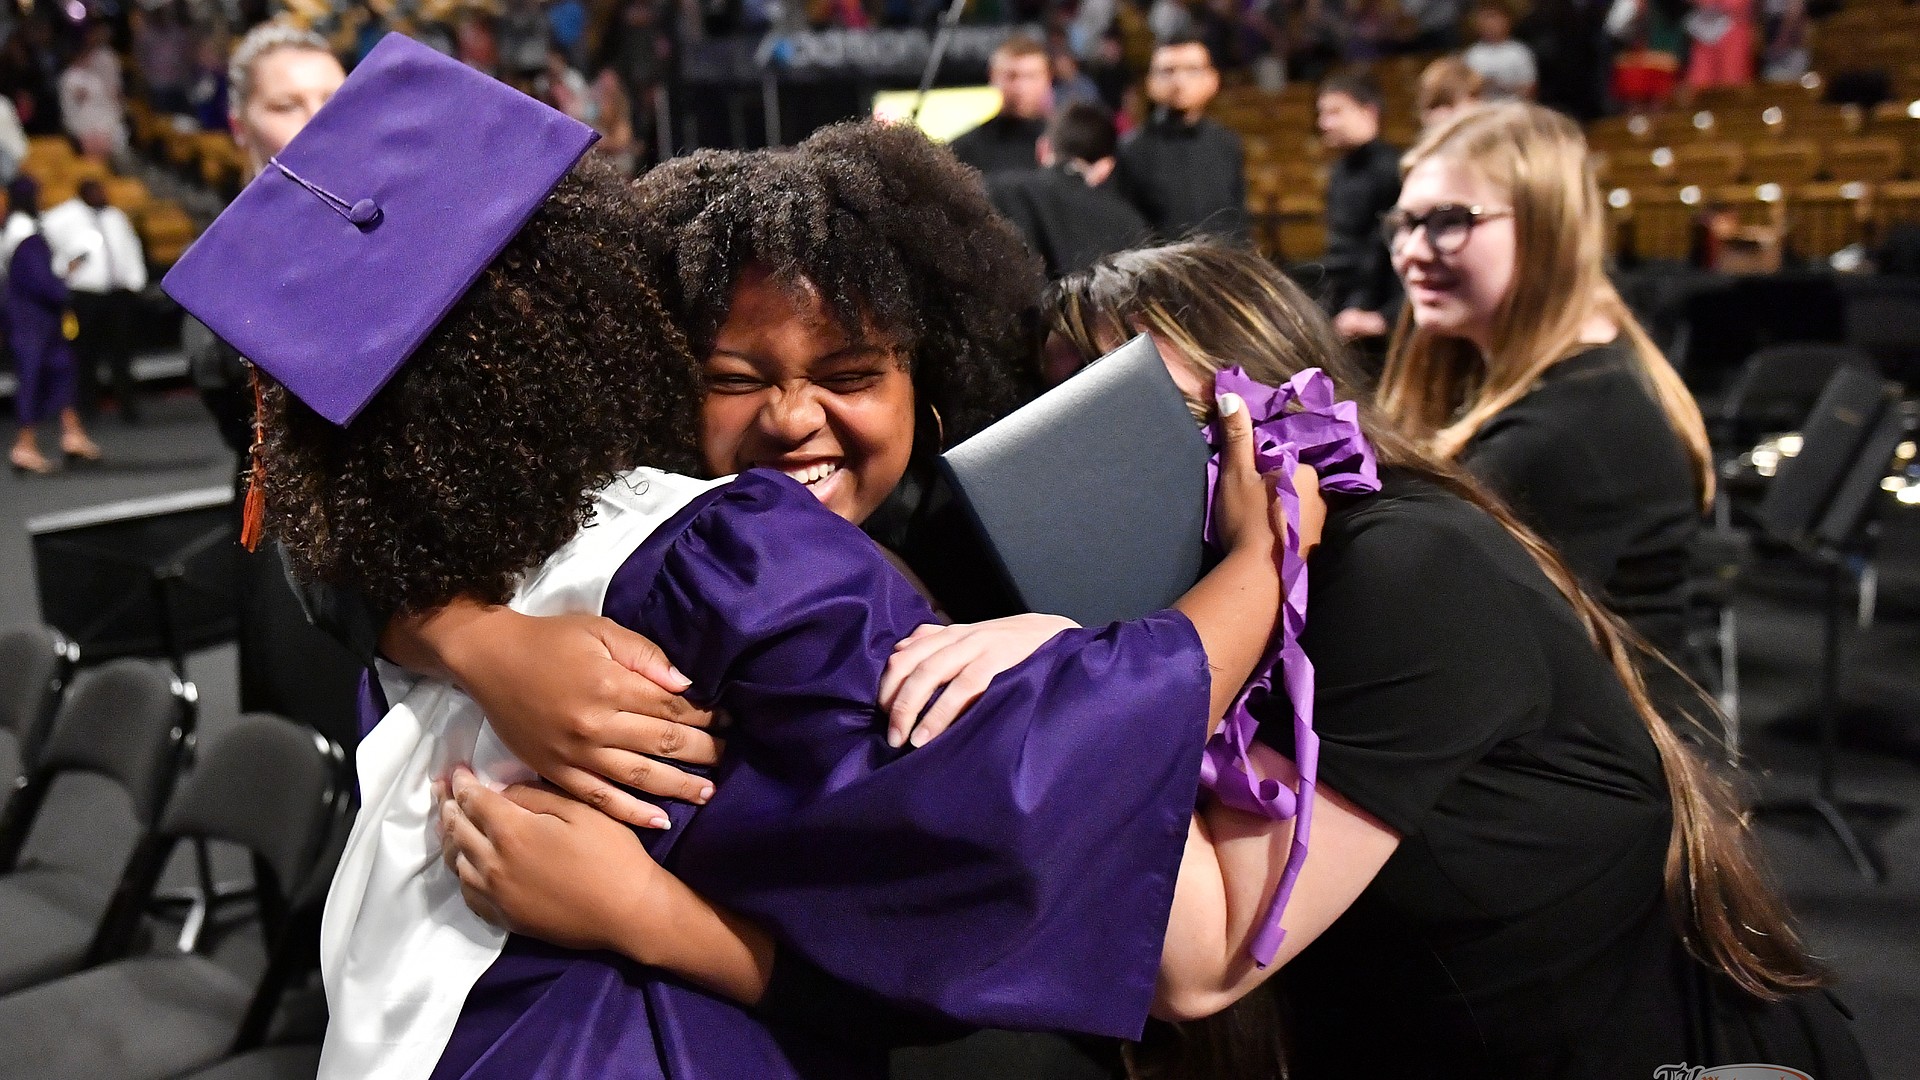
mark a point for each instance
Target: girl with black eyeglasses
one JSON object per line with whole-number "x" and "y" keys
{"x": 1516, "y": 357}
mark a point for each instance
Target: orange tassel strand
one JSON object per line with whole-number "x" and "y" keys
{"x": 253, "y": 516}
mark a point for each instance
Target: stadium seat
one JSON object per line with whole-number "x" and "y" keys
{"x": 35, "y": 663}
{"x": 1783, "y": 161}
{"x": 267, "y": 1063}
{"x": 129, "y": 194}
{"x": 1663, "y": 219}
{"x": 1776, "y": 389}
{"x": 1869, "y": 159}
{"x": 1301, "y": 231}
{"x": 116, "y": 743}
{"x": 268, "y": 785}
{"x": 1708, "y": 163}
{"x": 1896, "y": 203}
{"x": 165, "y": 232}
{"x": 1823, "y": 218}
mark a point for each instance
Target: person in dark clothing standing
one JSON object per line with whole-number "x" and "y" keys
{"x": 1009, "y": 142}
{"x": 1184, "y": 171}
{"x": 1061, "y": 208}
{"x": 1362, "y": 295}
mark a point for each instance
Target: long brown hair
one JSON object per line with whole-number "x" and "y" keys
{"x": 1442, "y": 390}
{"x": 1221, "y": 307}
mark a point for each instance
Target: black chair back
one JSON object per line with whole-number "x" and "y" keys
{"x": 1820, "y": 495}
{"x": 1777, "y": 389}
{"x": 125, "y": 720}
{"x": 35, "y": 663}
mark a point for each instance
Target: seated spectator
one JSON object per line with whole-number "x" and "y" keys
{"x": 1434, "y": 25}
{"x": 1061, "y": 208}
{"x": 13, "y": 142}
{"x": 279, "y": 77}
{"x": 29, "y": 77}
{"x": 1371, "y": 27}
{"x": 1070, "y": 84}
{"x": 1647, "y": 67}
{"x": 1722, "y": 44}
{"x": 91, "y": 105}
{"x": 1506, "y": 65}
{"x": 207, "y": 97}
{"x": 165, "y": 47}
{"x": 613, "y": 119}
{"x": 1362, "y": 292}
{"x": 1020, "y": 71}
{"x": 1446, "y": 86}
{"x": 1182, "y": 170}
{"x": 564, "y": 88}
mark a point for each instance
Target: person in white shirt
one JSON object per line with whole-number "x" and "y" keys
{"x": 1506, "y": 65}
{"x": 91, "y": 104}
{"x": 105, "y": 270}
{"x": 13, "y": 142}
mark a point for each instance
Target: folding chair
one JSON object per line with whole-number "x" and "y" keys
{"x": 95, "y": 792}
{"x": 268, "y": 785}
{"x": 35, "y": 663}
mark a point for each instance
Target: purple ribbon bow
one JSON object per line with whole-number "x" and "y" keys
{"x": 1298, "y": 423}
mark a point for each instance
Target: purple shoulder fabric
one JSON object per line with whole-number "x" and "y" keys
{"x": 1299, "y": 423}
{"x": 1017, "y": 872}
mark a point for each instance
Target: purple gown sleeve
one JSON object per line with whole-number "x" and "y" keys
{"x": 1015, "y": 873}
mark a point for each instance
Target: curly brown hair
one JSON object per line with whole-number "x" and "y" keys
{"x": 894, "y": 232}
{"x": 557, "y": 370}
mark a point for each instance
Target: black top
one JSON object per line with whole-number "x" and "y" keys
{"x": 1589, "y": 461}
{"x": 1187, "y": 179}
{"x": 1519, "y": 930}
{"x": 1002, "y": 144}
{"x": 1069, "y": 224}
{"x": 1361, "y": 187}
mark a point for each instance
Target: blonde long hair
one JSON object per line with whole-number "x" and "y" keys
{"x": 1440, "y": 389}
{"x": 1223, "y": 307}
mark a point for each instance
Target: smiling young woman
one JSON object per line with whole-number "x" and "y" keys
{"x": 1516, "y": 357}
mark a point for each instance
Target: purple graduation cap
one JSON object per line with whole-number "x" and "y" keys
{"x": 339, "y": 259}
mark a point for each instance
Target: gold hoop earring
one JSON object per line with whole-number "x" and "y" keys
{"x": 939, "y": 428}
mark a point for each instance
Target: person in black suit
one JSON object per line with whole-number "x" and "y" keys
{"x": 1184, "y": 171}
{"x": 1363, "y": 295}
{"x": 1008, "y": 142}
{"x": 1064, "y": 209}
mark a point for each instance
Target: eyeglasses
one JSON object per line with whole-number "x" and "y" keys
{"x": 1179, "y": 71}
{"x": 1448, "y": 226}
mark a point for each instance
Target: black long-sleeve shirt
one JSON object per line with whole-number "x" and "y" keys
{"x": 1187, "y": 179}
{"x": 1362, "y": 186}
{"x": 1002, "y": 144}
{"x": 1069, "y": 224}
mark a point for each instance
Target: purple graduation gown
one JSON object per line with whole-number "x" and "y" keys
{"x": 1015, "y": 873}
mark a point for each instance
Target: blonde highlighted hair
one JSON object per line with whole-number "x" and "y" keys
{"x": 1441, "y": 389}
{"x": 1220, "y": 307}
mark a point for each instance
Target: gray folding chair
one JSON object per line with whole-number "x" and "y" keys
{"x": 68, "y": 833}
{"x": 268, "y": 785}
{"x": 267, "y": 1063}
{"x": 35, "y": 663}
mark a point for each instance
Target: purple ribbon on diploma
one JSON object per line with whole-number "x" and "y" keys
{"x": 1295, "y": 424}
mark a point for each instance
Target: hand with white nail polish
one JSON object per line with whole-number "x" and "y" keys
{"x": 537, "y": 862}
{"x": 583, "y": 701}
{"x": 957, "y": 662}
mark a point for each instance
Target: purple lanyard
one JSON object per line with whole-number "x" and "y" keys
{"x": 1298, "y": 423}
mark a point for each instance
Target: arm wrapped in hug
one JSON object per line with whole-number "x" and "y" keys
{"x": 1018, "y": 872}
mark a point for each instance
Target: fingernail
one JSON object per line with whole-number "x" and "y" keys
{"x": 919, "y": 737}
{"x": 660, "y": 823}
{"x": 705, "y": 793}
{"x": 1229, "y": 404}
{"x": 676, "y": 675}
